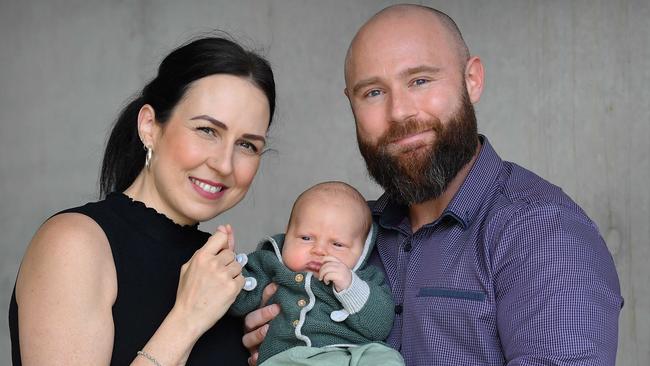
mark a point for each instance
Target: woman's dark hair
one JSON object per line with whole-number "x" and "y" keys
{"x": 124, "y": 156}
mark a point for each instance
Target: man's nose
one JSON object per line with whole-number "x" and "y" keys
{"x": 401, "y": 105}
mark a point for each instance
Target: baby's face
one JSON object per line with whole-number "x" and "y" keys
{"x": 323, "y": 227}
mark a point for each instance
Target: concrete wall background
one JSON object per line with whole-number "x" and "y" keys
{"x": 566, "y": 96}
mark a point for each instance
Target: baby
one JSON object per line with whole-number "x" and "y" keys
{"x": 334, "y": 306}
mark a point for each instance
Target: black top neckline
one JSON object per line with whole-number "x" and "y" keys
{"x": 150, "y": 221}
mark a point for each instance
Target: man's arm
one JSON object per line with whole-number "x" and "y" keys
{"x": 556, "y": 289}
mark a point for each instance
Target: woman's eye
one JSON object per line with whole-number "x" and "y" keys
{"x": 249, "y": 146}
{"x": 305, "y": 238}
{"x": 207, "y": 130}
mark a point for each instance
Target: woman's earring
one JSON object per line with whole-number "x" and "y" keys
{"x": 147, "y": 160}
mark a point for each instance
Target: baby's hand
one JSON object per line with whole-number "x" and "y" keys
{"x": 333, "y": 270}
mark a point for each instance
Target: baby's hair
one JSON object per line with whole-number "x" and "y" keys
{"x": 338, "y": 188}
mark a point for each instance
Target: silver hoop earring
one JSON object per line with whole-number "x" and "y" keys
{"x": 147, "y": 160}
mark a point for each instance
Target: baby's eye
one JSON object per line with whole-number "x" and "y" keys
{"x": 338, "y": 245}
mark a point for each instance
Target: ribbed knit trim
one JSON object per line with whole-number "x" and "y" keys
{"x": 354, "y": 297}
{"x": 305, "y": 310}
{"x": 276, "y": 247}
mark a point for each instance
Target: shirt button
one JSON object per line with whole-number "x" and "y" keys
{"x": 407, "y": 247}
{"x": 299, "y": 277}
{"x": 302, "y": 303}
{"x": 398, "y": 309}
{"x": 295, "y": 323}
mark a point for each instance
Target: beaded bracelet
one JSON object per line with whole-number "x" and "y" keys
{"x": 149, "y": 357}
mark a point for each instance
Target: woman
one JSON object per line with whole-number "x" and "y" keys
{"x": 130, "y": 279}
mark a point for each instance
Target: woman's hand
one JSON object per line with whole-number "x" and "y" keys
{"x": 208, "y": 285}
{"x": 256, "y": 323}
{"x": 209, "y": 282}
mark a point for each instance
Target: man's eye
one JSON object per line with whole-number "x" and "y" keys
{"x": 373, "y": 93}
{"x": 418, "y": 82}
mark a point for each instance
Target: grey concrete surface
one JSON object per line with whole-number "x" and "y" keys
{"x": 566, "y": 96}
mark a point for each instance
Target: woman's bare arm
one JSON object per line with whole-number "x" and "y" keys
{"x": 65, "y": 290}
{"x": 67, "y": 286}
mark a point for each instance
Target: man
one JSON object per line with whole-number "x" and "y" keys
{"x": 488, "y": 263}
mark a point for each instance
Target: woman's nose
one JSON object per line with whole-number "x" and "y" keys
{"x": 221, "y": 161}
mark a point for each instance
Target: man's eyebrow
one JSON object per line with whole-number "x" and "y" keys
{"x": 223, "y": 126}
{"x": 364, "y": 83}
{"x": 419, "y": 69}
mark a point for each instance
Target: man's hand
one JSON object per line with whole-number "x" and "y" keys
{"x": 333, "y": 270}
{"x": 256, "y": 323}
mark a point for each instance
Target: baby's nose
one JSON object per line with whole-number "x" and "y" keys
{"x": 319, "y": 249}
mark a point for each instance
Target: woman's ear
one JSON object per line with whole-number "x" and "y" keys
{"x": 147, "y": 126}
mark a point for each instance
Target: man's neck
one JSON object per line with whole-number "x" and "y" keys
{"x": 423, "y": 213}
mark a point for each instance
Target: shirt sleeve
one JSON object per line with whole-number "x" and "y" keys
{"x": 556, "y": 289}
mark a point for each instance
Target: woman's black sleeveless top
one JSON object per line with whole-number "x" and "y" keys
{"x": 149, "y": 250}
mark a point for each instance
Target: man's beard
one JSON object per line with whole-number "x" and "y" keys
{"x": 421, "y": 174}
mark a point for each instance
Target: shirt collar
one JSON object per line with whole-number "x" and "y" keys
{"x": 465, "y": 204}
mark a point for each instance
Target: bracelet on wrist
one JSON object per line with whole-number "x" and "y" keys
{"x": 149, "y": 357}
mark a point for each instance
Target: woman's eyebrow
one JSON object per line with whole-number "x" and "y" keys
{"x": 212, "y": 120}
{"x": 223, "y": 126}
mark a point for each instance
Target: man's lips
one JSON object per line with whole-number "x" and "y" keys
{"x": 411, "y": 142}
{"x": 417, "y": 137}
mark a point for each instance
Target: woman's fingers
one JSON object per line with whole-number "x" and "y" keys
{"x": 216, "y": 243}
{"x": 231, "y": 237}
{"x": 233, "y": 269}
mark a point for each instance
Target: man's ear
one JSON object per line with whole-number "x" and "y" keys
{"x": 147, "y": 126}
{"x": 474, "y": 78}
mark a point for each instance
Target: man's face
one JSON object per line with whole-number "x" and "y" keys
{"x": 416, "y": 126}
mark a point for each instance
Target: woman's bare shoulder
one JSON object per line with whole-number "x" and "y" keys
{"x": 65, "y": 247}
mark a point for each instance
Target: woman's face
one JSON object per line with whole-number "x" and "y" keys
{"x": 206, "y": 156}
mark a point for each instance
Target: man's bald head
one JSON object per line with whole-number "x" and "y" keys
{"x": 395, "y": 14}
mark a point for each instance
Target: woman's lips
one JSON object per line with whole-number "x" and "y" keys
{"x": 208, "y": 189}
